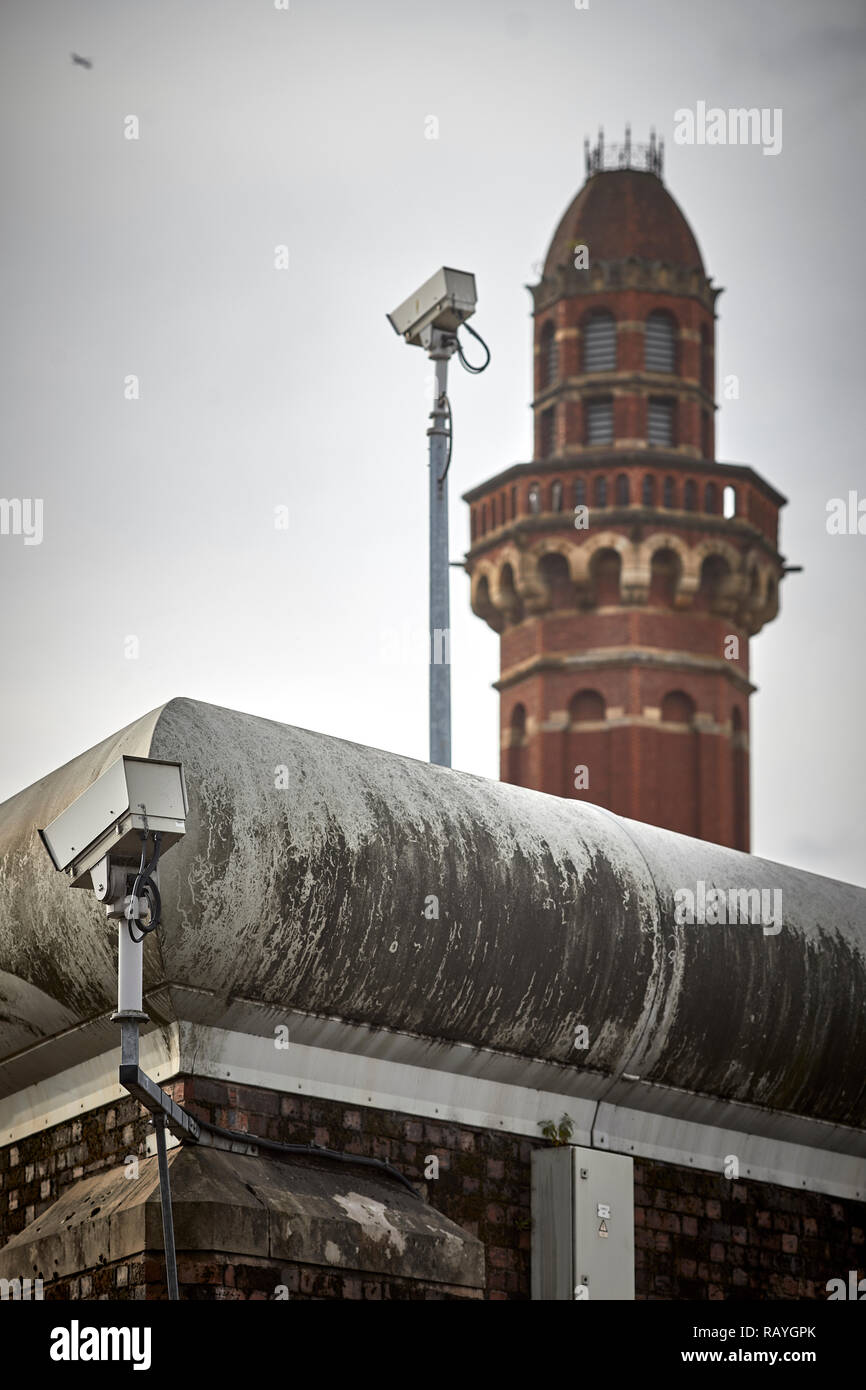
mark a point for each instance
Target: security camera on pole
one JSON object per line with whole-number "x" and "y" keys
{"x": 430, "y": 319}
{"x": 109, "y": 840}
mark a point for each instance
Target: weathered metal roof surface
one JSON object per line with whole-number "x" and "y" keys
{"x": 552, "y": 914}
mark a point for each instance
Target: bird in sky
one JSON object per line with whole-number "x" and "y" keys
{"x": 82, "y": 62}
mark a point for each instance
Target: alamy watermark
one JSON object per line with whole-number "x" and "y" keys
{"x": 27, "y": 1290}
{"x": 22, "y": 516}
{"x": 749, "y": 907}
{"x": 77, "y": 1343}
{"x": 855, "y": 1291}
{"x": 737, "y": 126}
{"x": 412, "y": 645}
{"x": 846, "y": 517}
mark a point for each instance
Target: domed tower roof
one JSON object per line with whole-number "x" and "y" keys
{"x": 625, "y": 211}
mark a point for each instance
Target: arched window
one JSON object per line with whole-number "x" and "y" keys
{"x": 740, "y": 751}
{"x": 534, "y": 498}
{"x": 599, "y": 422}
{"x": 690, "y": 495}
{"x": 549, "y": 355}
{"x": 513, "y": 503}
{"x": 649, "y": 490}
{"x": 586, "y": 707}
{"x": 665, "y": 574}
{"x": 668, "y": 492}
{"x": 579, "y": 492}
{"x": 509, "y": 599}
{"x": 556, "y": 496}
{"x": 516, "y": 759}
{"x": 729, "y": 501}
{"x": 599, "y": 343}
{"x": 483, "y": 518}
{"x": 473, "y": 523}
{"x": 605, "y": 569}
{"x": 622, "y": 497}
{"x": 660, "y": 423}
{"x": 715, "y": 575}
{"x": 660, "y": 343}
{"x": 546, "y": 432}
{"x": 678, "y": 708}
{"x": 711, "y": 499}
{"x": 553, "y": 571}
{"x": 599, "y": 492}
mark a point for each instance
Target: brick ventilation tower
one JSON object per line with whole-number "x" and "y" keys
{"x": 624, "y": 568}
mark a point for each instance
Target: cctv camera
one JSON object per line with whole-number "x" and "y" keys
{"x": 442, "y": 303}
{"x": 133, "y": 798}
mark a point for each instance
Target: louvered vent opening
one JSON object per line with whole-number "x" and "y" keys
{"x": 547, "y": 433}
{"x": 599, "y": 422}
{"x": 660, "y": 423}
{"x": 659, "y": 344}
{"x": 599, "y": 344}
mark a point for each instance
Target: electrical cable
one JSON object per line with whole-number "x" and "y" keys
{"x": 444, "y": 474}
{"x": 468, "y": 366}
{"x": 144, "y": 886}
{"x": 310, "y": 1150}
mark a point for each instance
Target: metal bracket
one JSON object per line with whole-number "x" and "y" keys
{"x": 154, "y": 1099}
{"x": 176, "y": 1119}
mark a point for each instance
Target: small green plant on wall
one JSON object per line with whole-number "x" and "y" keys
{"x": 558, "y": 1134}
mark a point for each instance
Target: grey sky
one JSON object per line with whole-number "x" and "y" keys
{"x": 262, "y": 387}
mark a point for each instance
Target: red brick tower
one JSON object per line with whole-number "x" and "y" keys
{"x": 624, "y": 568}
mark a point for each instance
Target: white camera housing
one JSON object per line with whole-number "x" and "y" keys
{"x": 442, "y": 303}
{"x": 107, "y": 820}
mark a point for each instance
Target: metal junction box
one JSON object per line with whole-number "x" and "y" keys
{"x": 132, "y": 795}
{"x": 582, "y": 1224}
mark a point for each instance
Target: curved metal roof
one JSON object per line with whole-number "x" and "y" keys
{"x": 552, "y": 915}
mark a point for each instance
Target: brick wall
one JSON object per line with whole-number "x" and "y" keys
{"x": 218, "y": 1276}
{"x": 697, "y": 1236}
{"x": 483, "y": 1181}
{"x": 35, "y": 1171}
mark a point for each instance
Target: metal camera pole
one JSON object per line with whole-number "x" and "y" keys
{"x": 101, "y": 842}
{"x": 130, "y": 1015}
{"x": 442, "y": 346}
{"x": 429, "y": 319}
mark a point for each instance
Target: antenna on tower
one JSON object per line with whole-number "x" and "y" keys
{"x": 646, "y": 156}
